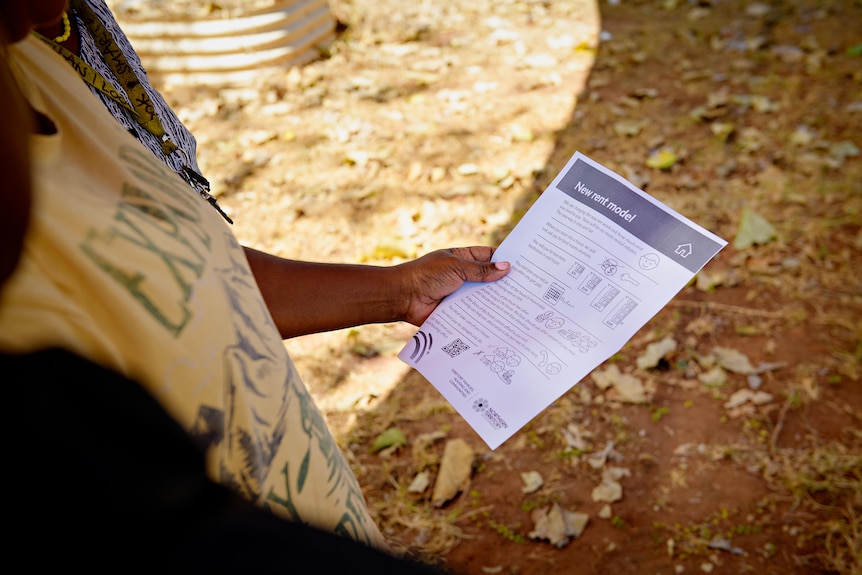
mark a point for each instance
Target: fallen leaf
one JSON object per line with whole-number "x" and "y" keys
{"x": 754, "y": 381}
{"x": 574, "y": 437}
{"x": 753, "y": 230}
{"x": 757, "y": 9}
{"x": 631, "y": 128}
{"x": 389, "y": 438}
{"x": 532, "y": 481}
{"x": 723, "y": 544}
{"x": 722, "y": 130}
{"x": 663, "y": 159}
{"x": 420, "y": 483}
{"x": 765, "y": 366}
{"x": 844, "y": 149}
{"x": 655, "y": 352}
{"x": 733, "y": 360}
{"x": 707, "y": 282}
{"x": 610, "y": 489}
{"x": 750, "y": 140}
{"x": 597, "y": 460}
{"x": 743, "y": 396}
{"x": 802, "y": 136}
{"x": 558, "y": 525}
{"x": 626, "y": 388}
{"x": 455, "y": 470}
{"x": 763, "y": 104}
{"x": 715, "y": 377}
{"x": 629, "y": 390}
{"x": 701, "y": 326}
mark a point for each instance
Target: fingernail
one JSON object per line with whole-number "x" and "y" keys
{"x": 503, "y": 266}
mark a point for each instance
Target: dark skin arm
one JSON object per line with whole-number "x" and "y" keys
{"x": 306, "y": 297}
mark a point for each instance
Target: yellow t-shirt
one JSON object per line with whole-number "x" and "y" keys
{"x": 127, "y": 266}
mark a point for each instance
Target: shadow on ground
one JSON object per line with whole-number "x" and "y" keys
{"x": 760, "y": 106}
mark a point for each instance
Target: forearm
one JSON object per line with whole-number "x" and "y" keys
{"x": 305, "y": 297}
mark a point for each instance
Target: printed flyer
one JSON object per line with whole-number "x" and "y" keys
{"x": 593, "y": 260}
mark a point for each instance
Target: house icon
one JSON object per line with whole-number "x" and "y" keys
{"x": 683, "y": 250}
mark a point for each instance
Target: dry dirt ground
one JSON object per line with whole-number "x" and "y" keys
{"x": 432, "y": 124}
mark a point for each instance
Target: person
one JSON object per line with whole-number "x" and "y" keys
{"x": 124, "y": 267}
{"x": 111, "y": 478}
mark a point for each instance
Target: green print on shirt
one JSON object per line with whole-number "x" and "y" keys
{"x": 352, "y": 522}
{"x": 157, "y": 231}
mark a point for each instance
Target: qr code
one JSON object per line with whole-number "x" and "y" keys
{"x": 455, "y": 348}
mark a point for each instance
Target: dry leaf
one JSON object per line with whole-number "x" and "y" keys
{"x": 557, "y": 525}
{"x": 533, "y": 481}
{"x": 663, "y": 159}
{"x": 753, "y": 230}
{"x": 655, "y": 352}
{"x": 455, "y": 470}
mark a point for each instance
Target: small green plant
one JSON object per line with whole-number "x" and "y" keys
{"x": 753, "y": 424}
{"x": 570, "y": 452}
{"x": 453, "y": 515}
{"x": 747, "y": 529}
{"x": 535, "y": 439}
{"x": 658, "y": 413}
{"x": 506, "y": 532}
{"x": 795, "y": 398}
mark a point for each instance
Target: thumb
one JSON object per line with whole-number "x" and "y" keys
{"x": 486, "y": 271}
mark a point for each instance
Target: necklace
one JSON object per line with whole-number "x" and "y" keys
{"x": 67, "y": 29}
{"x": 139, "y": 104}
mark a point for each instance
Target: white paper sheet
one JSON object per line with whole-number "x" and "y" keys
{"x": 592, "y": 261}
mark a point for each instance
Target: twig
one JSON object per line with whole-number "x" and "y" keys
{"x": 708, "y": 305}
{"x": 773, "y": 442}
{"x": 727, "y": 307}
{"x": 473, "y": 512}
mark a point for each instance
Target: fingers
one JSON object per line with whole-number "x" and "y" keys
{"x": 477, "y": 253}
{"x": 438, "y": 274}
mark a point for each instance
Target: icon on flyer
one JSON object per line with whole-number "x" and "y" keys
{"x": 649, "y": 261}
{"x": 683, "y": 250}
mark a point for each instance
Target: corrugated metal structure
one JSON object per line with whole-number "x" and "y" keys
{"x": 232, "y": 49}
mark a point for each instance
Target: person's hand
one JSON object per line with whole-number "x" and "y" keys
{"x": 432, "y": 277}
